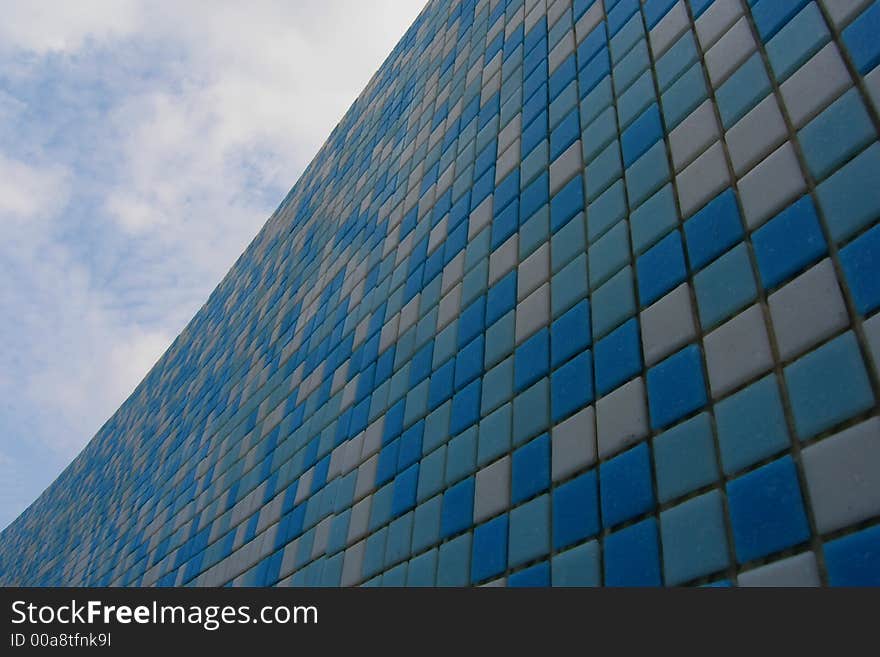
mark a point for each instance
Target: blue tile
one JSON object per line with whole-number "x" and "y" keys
{"x": 578, "y": 566}
{"x": 860, "y": 261}
{"x": 767, "y": 510}
{"x": 422, "y": 569}
{"x": 828, "y": 385}
{"x": 620, "y": 14}
{"x": 632, "y": 556}
{"x": 661, "y": 269}
{"x": 458, "y": 508}
{"x": 609, "y": 254}
{"x": 410, "y": 450}
{"x": 571, "y": 386}
{"x": 771, "y": 15}
{"x": 684, "y": 94}
{"x": 713, "y": 229}
{"x": 849, "y": 199}
{"x": 530, "y": 469}
{"x": 535, "y": 195}
{"x": 529, "y": 531}
{"x": 461, "y": 455}
{"x": 497, "y": 386}
{"x": 626, "y": 485}
{"x": 655, "y": 10}
{"x": 643, "y": 133}
{"x": 725, "y": 287}
{"x": 570, "y": 334}
{"x": 431, "y": 473}
{"x": 854, "y": 560}
{"x": 694, "y": 539}
{"x": 789, "y": 243}
{"x": 489, "y": 557}
{"x": 618, "y": 357}
{"x": 800, "y": 39}
{"x": 839, "y": 132}
{"x": 564, "y": 134}
{"x": 684, "y": 458}
{"x": 426, "y": 524}
{"x": 471, "y": 321}
{"x": 533, "y": 576}
{"x": 469, "y": 362}
{"x": 614, "y": 302}
{"x": 501, "y": 298}
{"x": 576, "y": 510}
{"x": 742, "y": 90}
{"x": 465, "y": 408}
{"x": 532, "y": 360}
{"x": 453, "y": 563}
{"x": 567, "y": 203}
{"x": 860, "y": 38}
{"x": 751, "y": 425}
{"x": 676, "y": 387}
{"x": 594, "y": 71}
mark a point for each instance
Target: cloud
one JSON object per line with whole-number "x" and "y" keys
{"x": 46, "y": 26}
{"x": 28, "y": 192}
{"x": 142, "y": 146}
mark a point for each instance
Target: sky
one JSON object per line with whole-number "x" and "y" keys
{"x": 142, "y": 146}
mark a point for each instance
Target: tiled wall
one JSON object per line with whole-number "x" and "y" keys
{"x": 574, "y": 294}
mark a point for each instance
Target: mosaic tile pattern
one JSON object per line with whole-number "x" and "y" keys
{"x": 577, "y": 293}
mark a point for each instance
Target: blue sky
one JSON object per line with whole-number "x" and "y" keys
{"x": 142, "y": 146}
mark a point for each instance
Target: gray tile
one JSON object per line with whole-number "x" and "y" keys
{"x": 507, "y": 162}
{"x": 737, "y": 351}
{"x": 843, "y": 476}
{"x": 622, "y": 418}
{"x": 716, "y": 20}
{"x": 565, "y": 167}
{"x": 799, "y": 570}
{"x": 807, "y": 310}
{"x": 366, "y": 477}
{"x": 509, "y": 134}
{"x": 533, "y": 312}
{"x": 353, "y": 453}
{"x": 693, "y": 135}
{"x": 591, "y": 18}
{"x": 360, "y": 520}
{"x": 771, "y": 185}
{"x": 560, "y": 51}
{"x": 729, "y": 52}
{"x": 573, "y": 444}
{"x": 449, "y": 306}
{"x": 353, "y": 564}
{"x": 533, "y": 272}
{"x": 492, "y": 490}
{"x": 480, "y": 218}
{"x": 842, "y": 12}
{"x": 452, "y": 274}
{"x": 815, "y": 85}
{"x": 702, "y": 180}
{"x": 670, "y": 27}
{"x": 755, "y": 135}
{"x": 372, "y": 442}
{"x": 668, "y": 324}
{"x": 503, "y": 259}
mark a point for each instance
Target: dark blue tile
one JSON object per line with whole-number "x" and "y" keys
{"x": 576, "y": 510}
{"x": 767, "y": 510}
{"x": 676, "y": 387}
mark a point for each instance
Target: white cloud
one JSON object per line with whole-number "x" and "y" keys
{"x": 29, "y": 192}
{"x": 177, "y": 175}
{"x": 48, "y": 26}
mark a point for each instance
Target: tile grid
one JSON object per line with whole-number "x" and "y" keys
{"x": 261, "y": 405}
